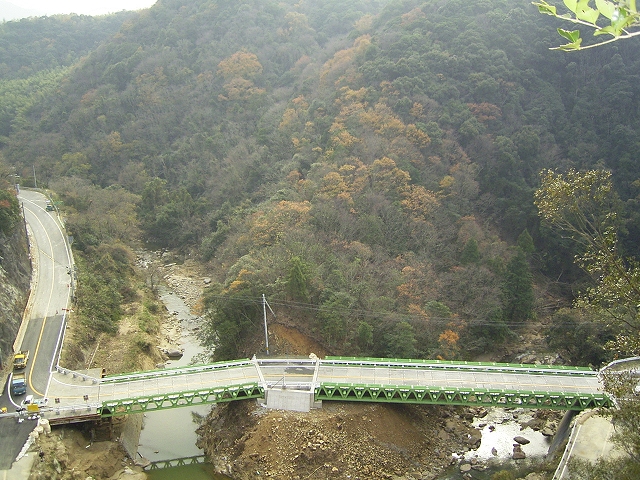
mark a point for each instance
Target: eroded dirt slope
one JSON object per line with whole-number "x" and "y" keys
{"x": 340, "y": 440}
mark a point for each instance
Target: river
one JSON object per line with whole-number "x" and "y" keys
{"x": 171, "y": 434}
{"x": 499, "y": 428}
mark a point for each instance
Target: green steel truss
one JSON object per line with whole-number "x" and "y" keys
{"x": 178, "y": 400}
{"x": 178, "y": 462}
{"x": 461, "y": 396}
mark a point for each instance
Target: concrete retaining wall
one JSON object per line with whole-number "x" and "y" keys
{"x": 130, "y": 436}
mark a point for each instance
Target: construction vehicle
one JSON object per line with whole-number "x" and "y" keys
{"x": 18, "y": 383}
{"x": 33, "y": 405}
{"x": 20, "y": 359}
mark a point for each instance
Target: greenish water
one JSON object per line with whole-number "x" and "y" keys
{"x": 518, "y": 468}
{"x": 203, "y": 471}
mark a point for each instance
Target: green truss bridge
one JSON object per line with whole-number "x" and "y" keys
{"x": 300, "y": 384}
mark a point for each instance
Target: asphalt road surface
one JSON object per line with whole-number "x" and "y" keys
{"x": 52, "y": 286}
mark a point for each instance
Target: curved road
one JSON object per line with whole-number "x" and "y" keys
{"x": 43, "y": 323}
{"x": 51, "y": 295}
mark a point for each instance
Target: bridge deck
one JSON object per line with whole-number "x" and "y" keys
{"x": 447, "y": 378}
{"x": 333, "y": 378}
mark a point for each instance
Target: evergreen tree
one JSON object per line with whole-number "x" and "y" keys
{"x": 402, "y": 341}
{"x": 525, "y": 242}
{"x": 517, "y": 290}
{"x": 297, "y": 280}
{"x": 470, "y": 252}
{"x": 365, "y": 336}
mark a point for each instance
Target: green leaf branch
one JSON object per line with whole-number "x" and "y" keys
{"x": 615, "y": 18}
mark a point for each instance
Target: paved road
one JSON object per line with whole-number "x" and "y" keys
{"x": 44, "y": 321}
{"x": 590, "y": 440}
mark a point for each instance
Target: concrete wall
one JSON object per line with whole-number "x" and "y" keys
{"x": 130, "y": 436}
{"x": 293, "y": 400}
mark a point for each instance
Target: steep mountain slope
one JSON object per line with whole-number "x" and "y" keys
{"x": 367, "y": 165}
{"x": 15, "y": 270}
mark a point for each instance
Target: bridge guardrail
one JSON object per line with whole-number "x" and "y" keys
{"x": 176, "y": 462}
{"x": 174, "y": 371}
{"x": 455, "y": 365}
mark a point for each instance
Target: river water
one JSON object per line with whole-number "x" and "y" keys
{"x": 499, "y": 428}
{"x": 171, "y": 434}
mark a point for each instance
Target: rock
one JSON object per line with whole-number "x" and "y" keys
{"x": 494, "y": 451}
{"x": 534, "y": 424}
{"x": 174, "y": 353}
{"x": 518, "y": 454}
{"x": 534, "y": 476}
{"x": 521, "y": 440}
{"x": 547, "y": 432}
{"x": 475, "y": 437}
{"x": 142, "y": 462}
{"x": 449, "y": 426}
{"x": 206, "y": 280}
{"x": 465, "y": 467}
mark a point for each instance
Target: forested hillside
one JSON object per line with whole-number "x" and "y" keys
{"x": 35, "y": 53}
{"x": 368, "y": 165}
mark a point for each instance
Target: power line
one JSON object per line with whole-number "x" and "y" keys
{"x": 381, "y": 315}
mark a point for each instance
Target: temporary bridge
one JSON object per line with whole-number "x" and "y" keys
{"x": 302, "y": 383}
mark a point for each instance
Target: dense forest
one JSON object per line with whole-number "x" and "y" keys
{"x": 368, "y": 165}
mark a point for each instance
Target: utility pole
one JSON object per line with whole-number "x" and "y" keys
{"x": 35, "y": 183}
{"x": 264, "y": 311}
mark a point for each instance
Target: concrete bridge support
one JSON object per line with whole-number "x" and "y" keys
{"x": 130, "y": 436}
{"x": 563, "y": 432}
{"x": 290, "y": 399}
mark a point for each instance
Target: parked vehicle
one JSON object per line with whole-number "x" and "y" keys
{"x": 18, "y": 383}
{"x": 20, "y": 359}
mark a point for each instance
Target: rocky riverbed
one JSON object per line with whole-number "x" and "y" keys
{"x": 351, "y": 441}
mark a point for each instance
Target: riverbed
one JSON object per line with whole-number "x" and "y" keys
{"x": 171, "y": 434}
{"x": 499, "y": 429}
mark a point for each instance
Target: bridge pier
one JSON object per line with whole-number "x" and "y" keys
{"x": 130, "y": 435}
{"x": 562, "y": 433}
{"x": 291, "y": 399}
